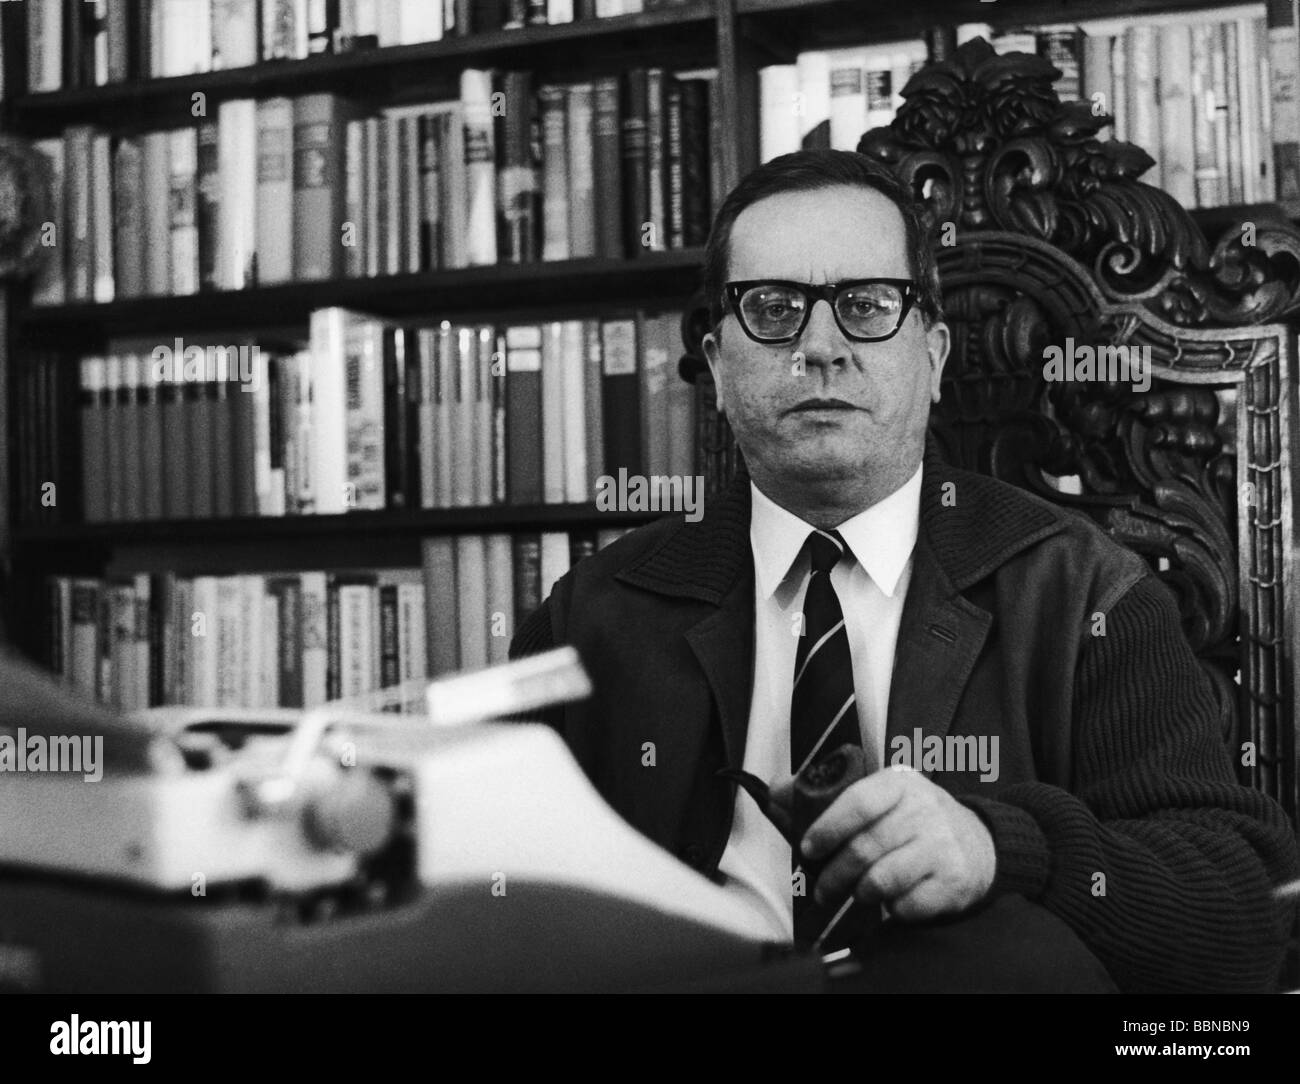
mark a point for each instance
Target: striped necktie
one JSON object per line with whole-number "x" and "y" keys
{"x": 823, "y": 715}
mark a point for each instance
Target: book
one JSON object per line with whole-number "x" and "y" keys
{"x": 553, "y": 412}
{"x": 128, "y": 217}
{"x": 519, "y": 189}
{"x": 274, "y": 201}
{"x": 234, "y": 33}
{"x": 237, "y": 155}
{"x": 480, "y": 167}
{"x": 607, "y": 168}
{"x": 555, "y": 173}
{"x": 524, "y": 411}
{"x": 442, "y": 618}
{"x": 620, "y": 396}
{"x": 183, "y": 201}
{"x": 635, "y": 149}
{"x": 319, "y": 192}
{"x": 473, "y": 615}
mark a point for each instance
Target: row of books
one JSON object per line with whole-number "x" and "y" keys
{"x": 301, "y": 639}
{"x": 304, "y": 189}
{"x": 1197, "y": 93}
{"x": 1211, "y": 95}
{"x": 87, "y": 43}
{"x": 372, "y": 415}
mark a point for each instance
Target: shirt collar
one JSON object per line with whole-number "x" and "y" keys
{"x": 881, "y": 537}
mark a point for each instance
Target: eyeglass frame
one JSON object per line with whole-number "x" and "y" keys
{"x": 814, "y": 292}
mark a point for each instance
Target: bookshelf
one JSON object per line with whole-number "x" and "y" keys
{"x": 734, "y": 38}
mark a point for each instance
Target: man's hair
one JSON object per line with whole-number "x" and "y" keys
{"x": 811, "y": 171}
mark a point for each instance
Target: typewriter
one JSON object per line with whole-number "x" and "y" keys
{"x": 357, "y": 850}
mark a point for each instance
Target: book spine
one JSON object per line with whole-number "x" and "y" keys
{"x": 527, "y": 555}
{"x": 1248, "y": 62}
{"x": 390, "y": 662}
{"x": 484, "y": 424}
{"x": 318, "y": 185}
{"x": 656, "y": 153}
{"x": 242, "y": 453}
{"x": 152, "y": 446}
{"x": 555, "y": 179}
{"x": 411, "y": 407}
{"x": 519, "y": 191}
{"x": 201, "y": 405}
{"x": 442, "y": 603}
{"x": 431, "y": 225}
{"x": 225, "y": 442}
{"x": 178, "y": 421}
{"x": 156, "y": 211}
{"x": 654, "y": 395}
{"x": 84, "y": 658}
{"x": 413, "y": 658}
{"x": 1207, "y": 177}
{"x": 128, "y": 420}
{"x": 554, "y": 559}
{"x": 472, "y": 613}
{"x": 396, "y": 437}
{"x": 675, "y": 210}
{"x": 315, "y": 638}
{"x": 102, "y": 217}
{"x": 480, "y": 167}
{"x": 620, "y": 396}
{"x": 324, "y": 462}
{"x": 1284, "y": 96}
{"x": 1232, "y": 62}
{"x": 524, "y": 411}
{"x": 365, "y": 415}
{"x": 447, "y": 432}
{"x": 80, "y": 238}
{"x": 184, "y": 248}
{"x": 497, "y": 380}
{"x": 581, "y": 194}
{"x": 573, "y": 383}
{"x": 234, "y": 33}
{"x": 696, "y": 161}
{"x": 608, "y": 169}
{"x": 128, "y": 191}
{"x": 455, "y": 189}
{"x": 779, "y": 99}
{"x": 553, "y": 440}
{"x": 463, "y": 485}
{"x": 287, "y": 592}
{"x": 1177, "y": 147}
{"x": 636, "y": 192}
{"x": 94, "y": 439}
{"x": 354, "y": 257}
{"x": 372, "y": 231}
{"x": 207, "y": 180}
{"x": 237, "y": 204}
{"x": 390, "y": 197}
{"x": 500, "y": 596}
{"x": 427, "y": 442}
{"x": 113, "y": 417}
{"x": 412, "y": 186}
{"x": 48, "y": 283}
{"x": 593, "y": 418}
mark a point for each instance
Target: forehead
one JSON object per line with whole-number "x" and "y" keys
{"x": 822, "y": 236}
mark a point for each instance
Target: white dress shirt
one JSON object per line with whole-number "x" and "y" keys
{"x": 871, "y": 588}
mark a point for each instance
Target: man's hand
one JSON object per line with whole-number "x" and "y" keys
{"x": 899, "y": 838}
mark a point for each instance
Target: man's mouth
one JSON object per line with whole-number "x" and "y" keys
{"x": 821, "y": 404}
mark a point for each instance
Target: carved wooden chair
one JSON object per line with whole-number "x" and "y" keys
{"x": 1044, "y": 232}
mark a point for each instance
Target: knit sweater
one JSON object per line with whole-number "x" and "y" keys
{"x": 1116, "y": 806}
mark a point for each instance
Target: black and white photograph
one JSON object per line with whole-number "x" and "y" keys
{"x": 677, "y": 497}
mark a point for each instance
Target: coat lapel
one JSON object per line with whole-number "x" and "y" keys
{"x": 724, "y": 645}
{"x": 940, "y": 636}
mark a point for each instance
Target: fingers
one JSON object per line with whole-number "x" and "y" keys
{"x": 863, "y": 851}
{"x": 861, "y": 805}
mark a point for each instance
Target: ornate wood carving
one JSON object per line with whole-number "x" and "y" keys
{"x": 1053, "y": 237}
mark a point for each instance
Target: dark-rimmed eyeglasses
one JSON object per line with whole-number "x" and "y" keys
{"x": 777, "y": 310}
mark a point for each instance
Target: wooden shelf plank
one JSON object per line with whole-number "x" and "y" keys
{"x": 463, "y": 293}
{"x": 310, "y": 529}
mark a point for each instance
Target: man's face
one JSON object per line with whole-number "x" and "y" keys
{"x": 852, "y": 409}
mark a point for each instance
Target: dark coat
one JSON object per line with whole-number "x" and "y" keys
{"x": 1115, "y": 806}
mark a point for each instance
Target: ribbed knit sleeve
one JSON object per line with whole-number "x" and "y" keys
{"x": 1160, "y": 861}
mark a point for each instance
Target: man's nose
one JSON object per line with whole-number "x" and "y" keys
{"x": 822, "y": 342}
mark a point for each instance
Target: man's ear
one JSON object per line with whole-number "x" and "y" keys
{"x": 938, "y": 341}
{"x": 713, "y": 355}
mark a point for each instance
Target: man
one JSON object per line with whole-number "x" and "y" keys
{"x": 1103, "y": 844}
